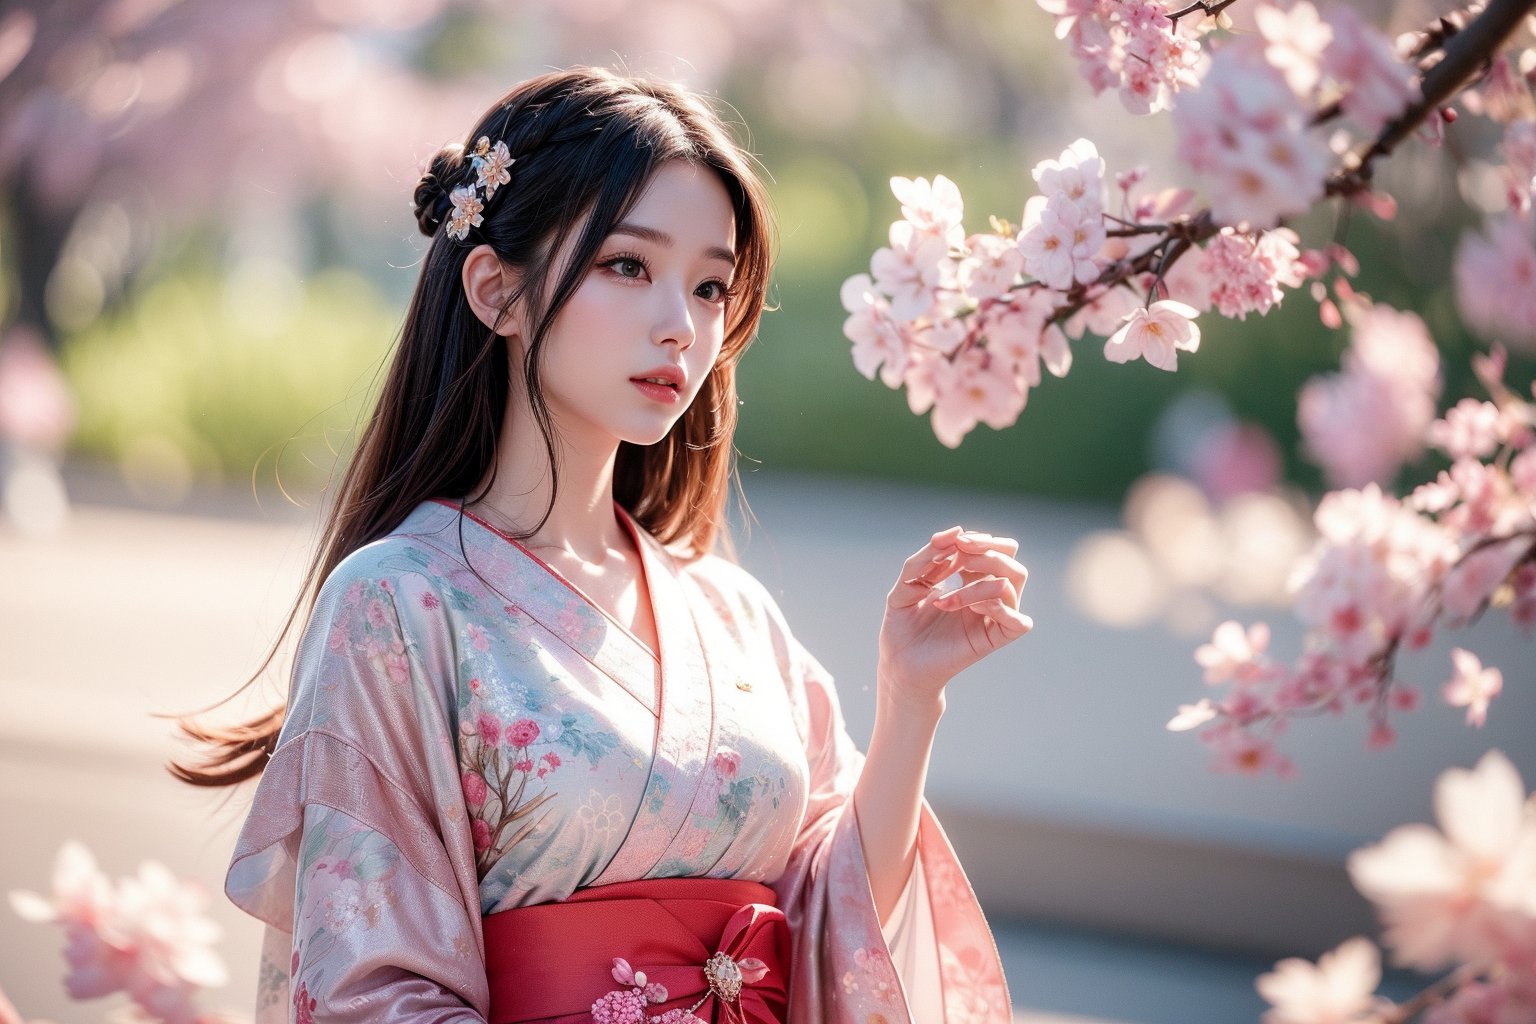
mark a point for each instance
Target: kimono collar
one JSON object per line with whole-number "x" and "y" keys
{"x": 680, "y": 694}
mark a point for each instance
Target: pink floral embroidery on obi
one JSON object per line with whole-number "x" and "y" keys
{"x": 726, "y": 979}
{"x": 627, "y": 1005}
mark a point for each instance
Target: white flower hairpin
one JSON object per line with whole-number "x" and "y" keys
{"x": 492, "y": 163}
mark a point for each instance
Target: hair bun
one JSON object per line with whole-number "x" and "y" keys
{"x": 431, "y": 196}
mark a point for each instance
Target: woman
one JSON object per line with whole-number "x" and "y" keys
{"x": 546, "y": 758}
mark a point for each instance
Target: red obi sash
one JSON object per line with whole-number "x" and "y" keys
{"x": 699, "y": 938}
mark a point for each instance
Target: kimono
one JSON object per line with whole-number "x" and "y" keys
{"x": 467, "y": 733}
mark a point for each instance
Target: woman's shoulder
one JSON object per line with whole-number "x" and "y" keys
{"x": 413, "y": 550}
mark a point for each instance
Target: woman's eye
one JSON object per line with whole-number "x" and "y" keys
{"x": 628, "y": 267}
{"x": 712, "y": 291}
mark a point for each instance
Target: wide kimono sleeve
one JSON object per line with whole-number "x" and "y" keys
{"x": 357, "y": 851}
{"x": 935, "y": 960}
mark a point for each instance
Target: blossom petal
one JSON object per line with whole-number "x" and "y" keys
{"x": 1481, "y": 810}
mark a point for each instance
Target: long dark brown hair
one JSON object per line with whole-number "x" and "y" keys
{"x": 585, "y": 143}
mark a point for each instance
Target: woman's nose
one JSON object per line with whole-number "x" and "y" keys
{"x": 674, "y": 322}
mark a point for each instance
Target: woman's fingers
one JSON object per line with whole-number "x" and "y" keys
{"x": 925, "y": 569}
{"x": 991, "y": 588}
{"x": 973, "y": 541}
{"x": 975, "y": 556}
{"x": 1007, "y": 618}
{"x": 991, "y": 562}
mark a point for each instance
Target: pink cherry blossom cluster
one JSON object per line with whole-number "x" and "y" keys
{"x": 1496, "y": 268}
{"x": 147, "y": 936}
{"x": 965, "y": 322}
{"x": 1384, "y": 575}
{"x": 1132, "y": 46}
{"x": 1496, "y": 281}
{"x": 1363, "y": 424}
{"x": 1245, "y": 116}
{"x": 1462, "y": 896}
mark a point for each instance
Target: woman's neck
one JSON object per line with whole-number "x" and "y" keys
{"x": 581, "y": 521}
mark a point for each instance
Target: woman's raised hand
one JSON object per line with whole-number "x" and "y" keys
{"x": 930, "y": 635}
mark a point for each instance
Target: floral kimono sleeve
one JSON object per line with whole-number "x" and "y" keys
{"x": 357, "y": 846}
{"x": 945, "y": 965}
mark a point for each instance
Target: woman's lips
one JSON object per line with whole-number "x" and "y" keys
{"x": 667, "y": 393}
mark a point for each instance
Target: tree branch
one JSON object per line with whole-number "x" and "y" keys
{"x": 1210, "y": 8}
{"x": 1467, "y": 54}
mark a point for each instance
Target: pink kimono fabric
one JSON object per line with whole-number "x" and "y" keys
{"x": 466, "y": 733}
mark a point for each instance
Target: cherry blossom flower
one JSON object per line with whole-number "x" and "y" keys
{"x": 878, "y": 345}
{"x": 1366, "y": 582}
{"x": 991, "y": 269}
{"x": 1245, "y": 135}
{"x": 1471, "y": 582}
{"x": 1017, "y": 334}
{"x": 1130, "y": 45}
{"x": 1522, "y": 473}
{"x": 1496, "y": 282}
{"x": 1461, "y": 894}
{"x": 1192, "y": 716}
{"x": 1103, "y": 313}
{"x": 1155, "y": 333}
{"x": 1059, "y": 241}
{"x": 911, "y": 269}
{"x": 1250, "y": 273}
{"x": 1294, "y": 41}
{"x": 1469, "y": 429}
{"x": 1362, "y": 424}
{"x": 1377, "y": 84}
{"x": 623, "y": 1006}
{"x": 973, "y": 389}
{"x": 1233, "y": 652}
{"x": 1238, "y": 750}
{"x": 1472, "y": 687}
{"x": 934, "y": 209}
{"x": 627, "y": 1005}
{"x": 149, "y": 936}
{"x": 1339, "y": 989}
{"x": 1078, "y": 175}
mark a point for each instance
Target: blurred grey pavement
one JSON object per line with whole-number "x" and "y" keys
{"x": 1127, "y": 883}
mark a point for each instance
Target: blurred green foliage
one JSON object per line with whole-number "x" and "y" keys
{"x": 237, "y": 377}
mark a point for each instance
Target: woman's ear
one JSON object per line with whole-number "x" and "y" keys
{"x": 488, "y": 285}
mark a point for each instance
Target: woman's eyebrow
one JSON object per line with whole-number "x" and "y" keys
{"x": 661, "y": 238}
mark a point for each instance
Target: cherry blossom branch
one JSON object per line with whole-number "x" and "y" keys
{"x": 1210, "y": 9}
{"x": 1467, "y": 52}
{"x": 1431, "y": 995}
{"x": 1178, "y": 237}
{"x": 1467, "y": 49}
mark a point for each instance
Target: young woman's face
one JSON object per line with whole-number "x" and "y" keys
{"x": 631, "y": 348}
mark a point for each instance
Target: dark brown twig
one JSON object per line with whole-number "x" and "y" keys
{"x": 1210, "y": 8}
{"x": 1467, "y": 53}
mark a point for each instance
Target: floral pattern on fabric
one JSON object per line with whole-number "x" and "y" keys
{"x": 466, "y": 733}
